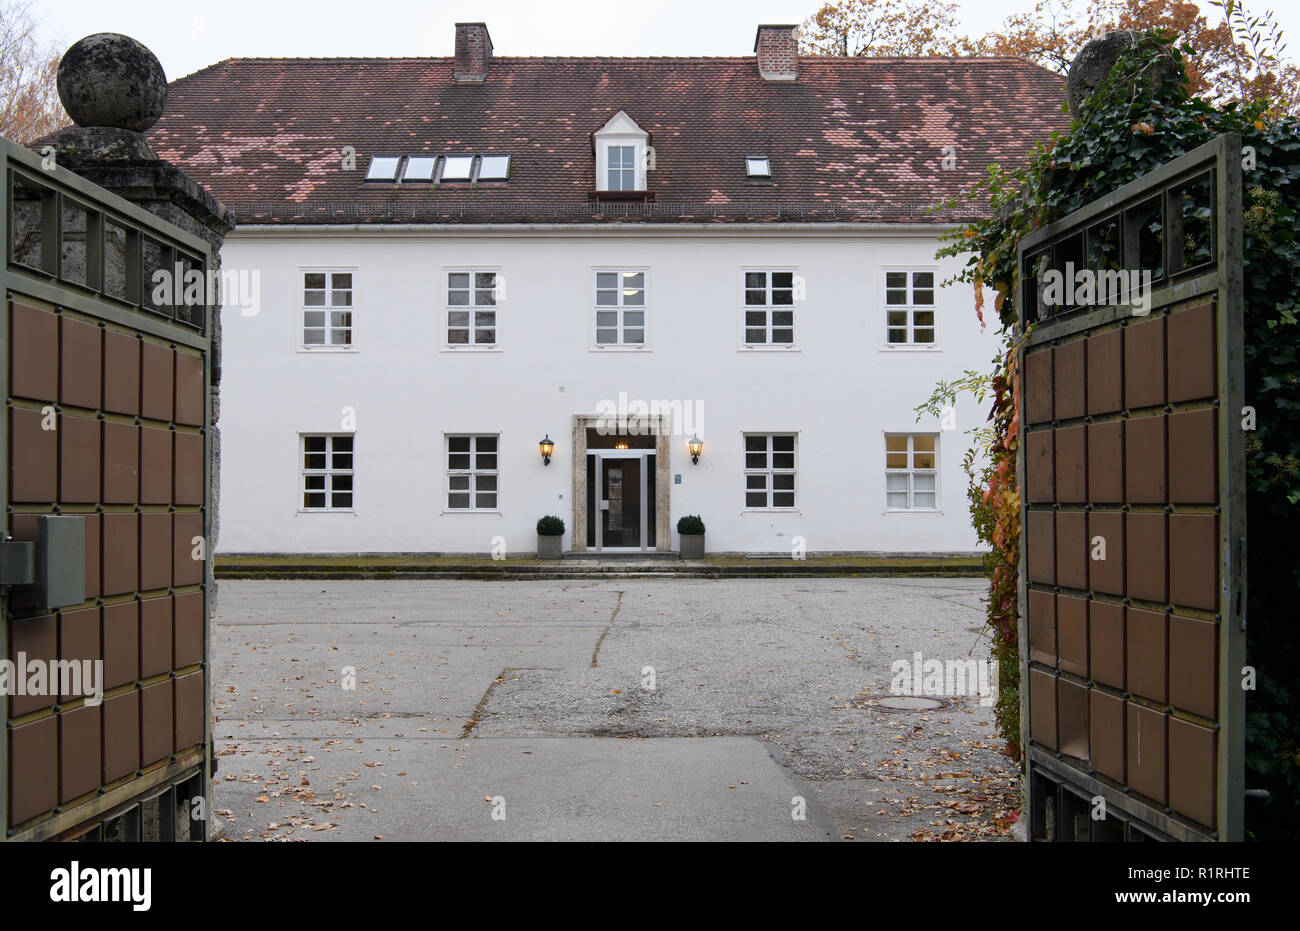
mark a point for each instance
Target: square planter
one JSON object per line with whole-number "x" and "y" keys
{"x": 549, "y": 547}
{"x": 692, "y": 546}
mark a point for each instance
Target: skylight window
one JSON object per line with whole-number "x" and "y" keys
{"x": 420, "y": 168}
{"x": 758, "y": 166}
{"x": 457, "y": 167}
{"x": 383, "y": 168}
{"x": 494, "y": 168}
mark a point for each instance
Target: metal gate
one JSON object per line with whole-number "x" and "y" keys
{"x": 1132, "y": 572}
{"x": 105, "y": 446}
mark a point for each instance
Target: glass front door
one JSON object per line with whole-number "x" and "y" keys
{"x": 617, "y": 509}
{"x": 621, "y": 507}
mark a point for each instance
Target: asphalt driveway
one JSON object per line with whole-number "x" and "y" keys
{"x": 674, "y": 709}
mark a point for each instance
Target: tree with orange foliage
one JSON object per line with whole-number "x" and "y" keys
{"x": 854, "y": 28}
{"x": 29, "y": 97}
{"x": 1240, "y": 58}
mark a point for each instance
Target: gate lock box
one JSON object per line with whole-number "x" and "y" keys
{"x": 55, "y": 564}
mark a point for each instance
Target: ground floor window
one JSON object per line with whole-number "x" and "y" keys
{"x": 769, "y": 470}
{"x": 472, "y": 473}
{"x": 910, "y": 470}
{"x": 327, "y": 472}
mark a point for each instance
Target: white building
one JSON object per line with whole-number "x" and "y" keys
{"x": 454, "y": 259}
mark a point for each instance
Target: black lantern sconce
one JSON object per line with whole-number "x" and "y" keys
{"x": 547, "y": 446}
{"x": 696, "y": 446}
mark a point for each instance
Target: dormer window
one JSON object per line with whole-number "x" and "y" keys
{"x": 758, "y": 166}
{"x": 622, "y": 168}
{"x": 383, "y": 168}
{"x": 621, "y": 155}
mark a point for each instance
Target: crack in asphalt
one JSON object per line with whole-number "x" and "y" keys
{"x": 482, "y": 703}
{"x": 617, "y": 607}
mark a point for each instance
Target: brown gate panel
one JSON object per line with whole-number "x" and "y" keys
{"x": 106, "y": 420}
{"x": 1133, "y": 508}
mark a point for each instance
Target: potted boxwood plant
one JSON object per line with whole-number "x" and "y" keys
{"x": 691, "y": 528}
{"x": 550, "y": 535}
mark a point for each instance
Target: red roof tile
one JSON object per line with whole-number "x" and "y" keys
{"x": 852, "y": 139}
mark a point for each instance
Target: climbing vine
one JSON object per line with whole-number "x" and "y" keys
{"x": 1138, "y": 118}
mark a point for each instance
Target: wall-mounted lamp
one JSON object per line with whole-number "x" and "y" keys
{"x": 696, "y": 446}
{"x": 547, "y": 446}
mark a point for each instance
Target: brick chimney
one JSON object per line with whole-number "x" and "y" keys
{"x": 778, "y": 53}
{"x": 473, "y": 52}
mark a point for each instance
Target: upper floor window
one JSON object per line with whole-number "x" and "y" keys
{"x": 623, "y": 155}
{"x": 758, "y": 166}
{"x": 471, "y": 307}
{"x": 326, "y": 310}
{"x": 909, "y": 307}
{"x": 620, "y": 308}
{"x": 911, "y": 471}
{"x": 769, "y": 308}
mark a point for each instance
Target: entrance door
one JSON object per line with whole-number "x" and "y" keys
{"x": 616, "y": 499}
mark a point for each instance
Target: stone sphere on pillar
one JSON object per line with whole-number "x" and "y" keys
{"x": 111, "y": 80}
{"x": 1095, "y": 60}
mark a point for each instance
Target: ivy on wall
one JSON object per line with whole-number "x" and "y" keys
{"x": 1137, "y": 119}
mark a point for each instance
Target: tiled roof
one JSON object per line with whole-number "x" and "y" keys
{"x": 853, "y": 139}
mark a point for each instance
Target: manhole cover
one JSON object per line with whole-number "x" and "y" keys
{"x": 909, "y": 703}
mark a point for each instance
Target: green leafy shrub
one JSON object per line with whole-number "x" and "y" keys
{"x": 690, "y": 524}
{"x": 1118, "y": 136}
{"x": 550, "y": 526}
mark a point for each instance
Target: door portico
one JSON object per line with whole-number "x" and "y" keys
{"x": 641, "y": 479}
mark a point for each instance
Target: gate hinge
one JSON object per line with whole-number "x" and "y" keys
{"x": 17, "y": 561}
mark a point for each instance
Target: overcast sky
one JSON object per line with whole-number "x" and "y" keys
{"x": 187, "y": 35}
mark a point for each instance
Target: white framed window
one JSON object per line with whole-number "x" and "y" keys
{"x": 758, "y": 166}
{"x": 328, "y": 469}
{"x": 909, "y": 307}
{"x": 620, "y": 168}
{"x": 472, "y": 472}
{"x": 911, "y": 471}
{"x": 622, "y": 155}
{"x": 326, "y": 310}
{"x": 770, "y": 471}
{"x": 471, "y": 307}
{"x": 768, "y": 308}
{"x": 621, "y": 307}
